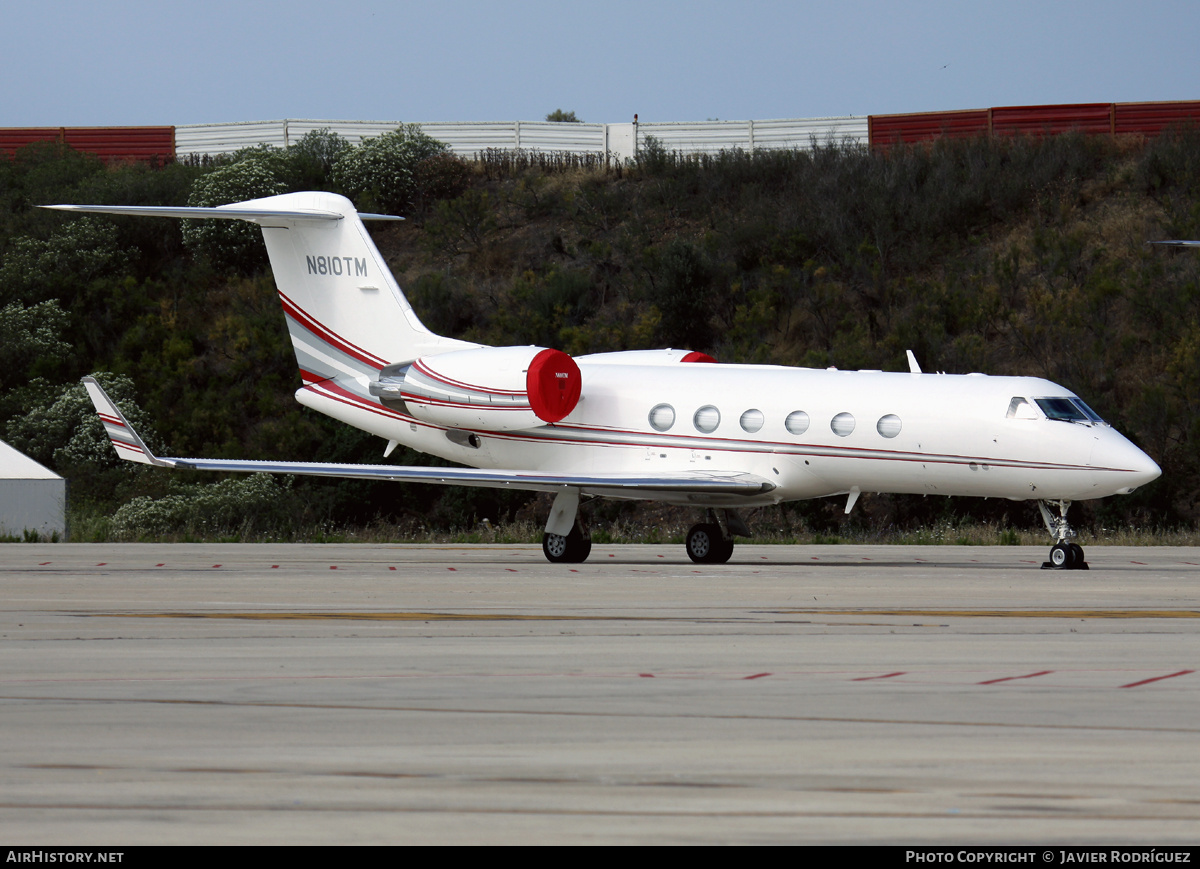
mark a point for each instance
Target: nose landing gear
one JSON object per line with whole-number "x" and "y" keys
{"x": 1064, "y": 555}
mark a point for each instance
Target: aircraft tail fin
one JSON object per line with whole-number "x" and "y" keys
{"x": 346, "y": 315}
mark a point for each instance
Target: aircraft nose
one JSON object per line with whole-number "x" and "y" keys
{"x": 1146, "y": 469}
{"x": 1137, "y": 469}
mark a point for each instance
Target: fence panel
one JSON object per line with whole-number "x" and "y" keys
{"x": 1150, "y": 119}
{"x": 1050, "y": 120}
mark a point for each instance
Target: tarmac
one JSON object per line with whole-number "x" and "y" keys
{"x": 399, "y": 694}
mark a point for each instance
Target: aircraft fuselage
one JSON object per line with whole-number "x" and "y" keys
{"x": 931, "y": 434}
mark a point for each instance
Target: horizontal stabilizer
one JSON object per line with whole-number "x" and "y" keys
{"x": 224, "y": 212}
{"x": 702, "y": 483}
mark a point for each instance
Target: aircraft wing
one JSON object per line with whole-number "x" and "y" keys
{"x": 130, "y": 446}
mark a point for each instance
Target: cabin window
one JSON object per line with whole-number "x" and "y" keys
{"x": 1061, "y": 409}
{"x": 842, "y": 424}
{"x": 1020, "y": 408}
{"x": 888, "y": 426}
{"x": 751, "y": 421}
{"x": 796, "y": 422}
{"x": 662, "y": 417}
{"x": 706, "y": 419}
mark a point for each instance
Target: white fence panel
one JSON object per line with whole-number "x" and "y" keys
{"x": 698, "y": 137}
{"x": 468, "y": 139}
{"x": 802, "y": 132}
{"x": 352, "y": 131}
{"x": 211, "y": 139}
{"x": 709, "y": 137}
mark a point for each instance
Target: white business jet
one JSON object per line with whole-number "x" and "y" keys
{"x": 660, "y": 425}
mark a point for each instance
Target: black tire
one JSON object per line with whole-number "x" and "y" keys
{"x": 572, "y": 549}
{"x": 723, "y": 553}
{"x": 1062, "y": 556}
{"x": 706, "y": 544}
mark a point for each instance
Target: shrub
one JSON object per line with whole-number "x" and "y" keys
{"x": 381, "y": 173}
{"x": 232, "y": 242}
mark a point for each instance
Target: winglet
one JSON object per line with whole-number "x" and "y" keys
{"x": 126, "y": 441}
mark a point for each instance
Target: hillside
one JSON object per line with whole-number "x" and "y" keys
{"x": 1023, "y": 256}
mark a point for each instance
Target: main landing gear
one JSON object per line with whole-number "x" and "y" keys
{"x": 710, "y": 543}
{"x": 1064, "y": 555}
{"x": 574, "y": 548}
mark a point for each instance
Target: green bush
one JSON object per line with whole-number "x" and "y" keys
{"x": 381, "y": 173}
{"x": 233, "y": 243}
{"x": 240, "y": 505}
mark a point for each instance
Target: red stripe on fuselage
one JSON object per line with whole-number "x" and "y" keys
{"x": 327, "y": 335}
{"x": 461, "y": 384}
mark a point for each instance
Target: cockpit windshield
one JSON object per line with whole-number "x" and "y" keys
{"x": 1068, "y": 410}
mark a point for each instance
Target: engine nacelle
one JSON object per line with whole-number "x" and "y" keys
{"x": 488, "y": 388}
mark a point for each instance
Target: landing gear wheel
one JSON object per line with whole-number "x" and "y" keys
{"x": 707, "y": 545}
{"x": 1062, "y": 556}
{"x": 1079, "y": 563}
{"x": 572, "y": 549}
{"x": 723, "y": 553}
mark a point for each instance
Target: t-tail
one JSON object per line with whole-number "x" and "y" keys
{"x": 346, "y": 315}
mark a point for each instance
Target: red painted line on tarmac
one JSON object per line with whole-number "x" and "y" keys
{"x": 1137, "y": 562}
{"x": 573, "y": 570}
{"x": 164, "y": 564}
{"x": 1011, "y": 678}
{"x": 757, "y": 676}
{"x": 646, "y": 675}
{"x": 511, "y": 569}
{"x": 451, "y": 568}
{"x": 45, "y": 562}
{"x": 216, "y": 565}
{"x": 391, "y": 568}
{"x": 333, "y": 567}
{"x": 611, "y": 555}
{"x": 1157, "y": 679}
{"x": 273, "y": 566}
{"x": 102, "y": 564}
{"x": 884, "y": 676}
{"x": 1182, "y": 562}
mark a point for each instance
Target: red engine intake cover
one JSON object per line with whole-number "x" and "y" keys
{"x": 553, "y": 384}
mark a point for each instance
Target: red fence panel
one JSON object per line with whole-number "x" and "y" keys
{"x": 1150, "y": 119}
{"x": 18, "y": 137}
{"x": 1049, "y": 120}
{"x": 889, "y": 129}
{"x": 111, "y": 144}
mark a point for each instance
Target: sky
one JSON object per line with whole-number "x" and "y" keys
{"x": 130, "y": 62}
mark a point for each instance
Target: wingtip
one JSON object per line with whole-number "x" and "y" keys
{"x": 125, "y": 440}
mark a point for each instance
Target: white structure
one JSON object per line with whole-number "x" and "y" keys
{"x": 32, "y": 497}
{"x": 619, "y": 141}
